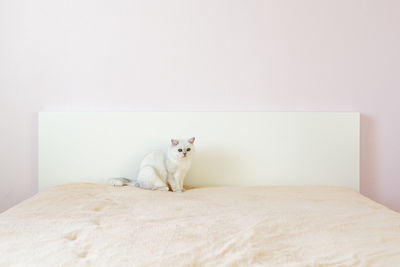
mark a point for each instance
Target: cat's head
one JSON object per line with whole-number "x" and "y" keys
{"x": 181, "y": 148}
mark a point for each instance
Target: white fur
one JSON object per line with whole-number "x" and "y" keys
{"x": 161, "y": 170}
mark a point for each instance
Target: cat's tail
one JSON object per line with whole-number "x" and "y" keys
{"x": 121, "y": 181}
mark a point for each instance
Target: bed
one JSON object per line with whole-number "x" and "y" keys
{"x": 87, "y": 224}
{"x": 267, "y": 189}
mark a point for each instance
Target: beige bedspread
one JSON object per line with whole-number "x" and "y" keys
{"x": 99, "y": 225}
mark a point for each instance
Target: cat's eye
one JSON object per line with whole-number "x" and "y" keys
{"x": 180, "y": 150}
{"x": 188, "y": 149}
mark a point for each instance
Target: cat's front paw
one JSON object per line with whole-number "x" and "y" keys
{"x": 177, "y": 190}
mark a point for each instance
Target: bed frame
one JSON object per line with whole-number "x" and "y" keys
{"x": 233, "y": 148}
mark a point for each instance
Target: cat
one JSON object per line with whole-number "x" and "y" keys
{"x": 161, "y": 171}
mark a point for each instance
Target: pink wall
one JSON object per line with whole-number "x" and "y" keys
{"x": 200, "y": 55}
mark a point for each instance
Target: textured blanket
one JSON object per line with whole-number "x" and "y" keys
{"x": 100, "y": 225}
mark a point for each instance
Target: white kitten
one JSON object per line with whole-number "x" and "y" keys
{"x": 158, "y": 169}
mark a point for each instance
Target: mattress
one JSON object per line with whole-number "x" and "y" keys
{"x": 100, "y": 225}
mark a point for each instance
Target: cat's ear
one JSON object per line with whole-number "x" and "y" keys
{"x": 174, "y": 142}
{"x": 191, "y": 140}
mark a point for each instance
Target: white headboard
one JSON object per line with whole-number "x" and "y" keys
{"x": 233, "y": 148}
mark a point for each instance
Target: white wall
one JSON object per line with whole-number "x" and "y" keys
{"x": 289, "y": 55}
